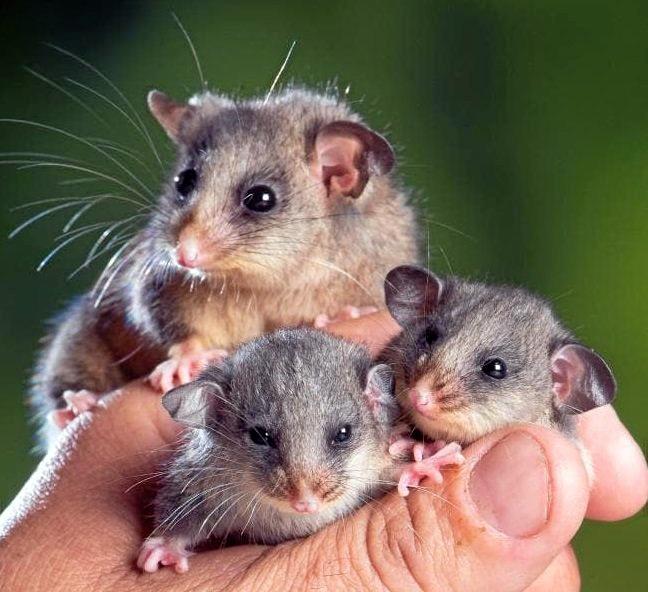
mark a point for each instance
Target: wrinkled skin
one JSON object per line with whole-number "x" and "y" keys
{"x": 76, "y": 524}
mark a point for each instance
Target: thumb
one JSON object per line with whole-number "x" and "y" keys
{"x": 497, "y": 524}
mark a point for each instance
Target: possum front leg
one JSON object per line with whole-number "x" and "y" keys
{"x": 77, "y": 402}
{"x": 190, "y": 508}
{"x": 168, "y": 551}
{"x": 75, "y": 358}
{"x": 179, "y": 512}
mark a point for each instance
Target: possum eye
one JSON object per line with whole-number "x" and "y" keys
{"x": 431, "y": 335}
{"x": 261, "y": 436}
{"x": 495, "y": 368}
{"x": 342, "y": 435}
{"x": 260, "y": 199}
{"x": 185, "y": 182}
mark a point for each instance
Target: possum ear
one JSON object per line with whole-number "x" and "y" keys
{"x": 411, "y": 293}
{"x": 581, "y": 379}
{"x": 379, "y": 392}
{"x": 168, "y": 113}
{"x": 190, "y": 404}
{"x": 346, "y": 154}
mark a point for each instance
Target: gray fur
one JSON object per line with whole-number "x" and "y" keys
{"x": 312, "y": 255}
{"x": 301, "y": 385}
{"x": 473, "y": 322}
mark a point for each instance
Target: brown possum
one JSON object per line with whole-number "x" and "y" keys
{"x": 274, "y": 212}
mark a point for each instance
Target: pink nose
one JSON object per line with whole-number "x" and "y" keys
{"x": 420, "y": 397}
{"x": 188, "y": 252}
{"x": 308, "y": 505}
{"x": 423, "y": 401}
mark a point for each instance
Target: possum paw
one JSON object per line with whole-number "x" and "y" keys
{"x": 183, "y": 368}
{"x": 401, "y": 444}
{"x": 162, "y": 551}
{"x": 428, "y": 461}
{"x": 345, "y": 314}
{"x": 77, "y": 403}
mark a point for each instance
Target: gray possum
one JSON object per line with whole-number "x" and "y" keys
{"x": 274, "y": 212}
{"x": 473, "y": 357}
{"x": 285, "y": 436}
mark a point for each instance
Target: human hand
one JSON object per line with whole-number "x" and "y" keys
{"x": 503, "y": 521}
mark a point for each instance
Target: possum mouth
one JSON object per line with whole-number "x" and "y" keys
{"x": 327, "y": 500}
{"x": 445, "y": 424}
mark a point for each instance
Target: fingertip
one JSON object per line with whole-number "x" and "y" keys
{"x": 620, "y": 486}
{"x": 513, "y": 506}
{"x": 529, "y": 484}
{"x": 561, "y": 574}
{"x": 373, "y": 330}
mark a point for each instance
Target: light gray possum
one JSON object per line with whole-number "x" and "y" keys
{"x": 287, "y": 435}
{"x": 474, "y": 357}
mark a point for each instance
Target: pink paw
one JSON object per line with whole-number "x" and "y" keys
{"x": 184, "y": 368}
{"x": 158, "y": 551}
{"x": 429, "y": 459}
{"x": 77, "y": 403}
{"x": 399, "y": 444}
{"x": 347, "y": 313}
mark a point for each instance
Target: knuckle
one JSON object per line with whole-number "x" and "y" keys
{"x": 411, "y": 546}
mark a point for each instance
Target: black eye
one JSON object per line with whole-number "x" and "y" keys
{"x": 185, "y": 183}
{"x": 260, "y": 198}
{"x": 495, "y": 368}
{"x": 431, "y": 335}
{"x": 343, "y": 434}
{"x": 261, "y": 436}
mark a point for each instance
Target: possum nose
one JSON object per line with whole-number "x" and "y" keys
{"x": 304, "y": 500}
{"x": 423, "y": 400}
{"x": 420, "y": 397}
{"x": 306, "y": 506}
{"x": 188, "y": 251}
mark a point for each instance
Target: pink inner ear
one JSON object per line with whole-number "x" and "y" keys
{"x": 560, "y": 377}
{"x": 566, "y": 371}
{"x": 335, "y": 164}
{"x": 373, "y": 395}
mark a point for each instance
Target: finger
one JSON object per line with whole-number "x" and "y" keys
{"x": 99, "y": 455}
{"x": 84, "y": 505}
{"x": 562, "y": 575}
{"x": 373, "y": 330}
{"x": 620, "y": 486}
{"x": 497, "y": 524}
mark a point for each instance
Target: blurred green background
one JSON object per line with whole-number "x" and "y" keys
{"x": 523, "y": 126}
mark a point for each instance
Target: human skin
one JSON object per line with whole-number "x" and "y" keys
{"x": 503, "y": 521}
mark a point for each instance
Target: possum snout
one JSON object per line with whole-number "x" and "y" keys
{"x": 304, "y": 489}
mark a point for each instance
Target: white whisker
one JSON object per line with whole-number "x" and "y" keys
{"x": 281, "y": 70}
